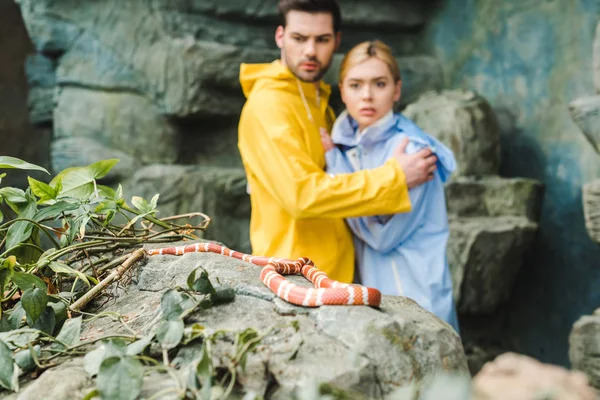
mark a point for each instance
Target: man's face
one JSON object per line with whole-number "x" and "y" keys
{"x": 307, "y": 44}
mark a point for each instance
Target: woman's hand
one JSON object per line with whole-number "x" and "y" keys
{"x": 326, "y": 140}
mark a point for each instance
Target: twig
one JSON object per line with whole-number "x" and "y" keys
{"x": 115, "y": 275}
{"x": 112, "y": 263}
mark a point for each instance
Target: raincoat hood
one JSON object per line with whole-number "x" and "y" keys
{"x": 274, "y": 75}
{"x": 345, "y": 132}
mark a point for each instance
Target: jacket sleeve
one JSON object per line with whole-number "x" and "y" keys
{"x": 386, "y": 236}
{"x": 272, "y": 149}
{"x": 337, "y": 163}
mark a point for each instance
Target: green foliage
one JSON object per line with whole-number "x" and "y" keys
{"x": 58, "y": 240}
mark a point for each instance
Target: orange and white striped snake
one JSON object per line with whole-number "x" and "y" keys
{"x": 326, "y": 291}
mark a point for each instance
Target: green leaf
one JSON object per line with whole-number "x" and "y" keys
{"x": 170, "y": 304}
{"x": 106, "y": 191}
{"x": 1, "y": 214}
{"x": 42, "y": 190}
{"x": 139, "y": 346}
{"x": 154, "y": 201}
{"x": 61, "y": 268}
{"x": 43, "y": 260}
{"x": 245, "y": 337}
{"x": 119, "y": 193}
{"x": 46, "y": 322}
{"x": 12, "y": 162}
{"x": 69, "y": 333}
{"x": 204, "y": 368}
{"x": 20, "y": 231}
{"x": 223, "y": 294}
{"x": 2, "y": 176}
{"x": 141, "y": 204}
{"x": 60, "y": 310}
{"x": 5, "y": 323}
{"x": 28, "y": 281}
{"x": 170, "y": 333}
{"x": 34, "y": 302}
{"x": 120, "y": 378}
{"x": 13, "y": 197}
{"x": 24, "y": 358}
{"x": 16, "y": 316}
{"x": 79, "y": 181}
{"x": 6, "y": 272}
{"x": 201, "y": 284}
{"x": 19, "y": 338}
{"x": 93, "y": 359}
{"x": 99, "y": 169}
{"x": 55, "y": 210}
{"x": 7, "y": 368}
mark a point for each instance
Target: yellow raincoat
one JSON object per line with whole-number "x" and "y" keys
{"x": 297, "y": 209}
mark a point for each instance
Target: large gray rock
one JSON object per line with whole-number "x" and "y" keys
{"x": 466, "y": 123}
{"x": 596, "y": 57}
{"x": 591, "y": 208}
{"x": 584, "y": 347}
{"x": 369, "y": 352}
{"x": 493, "y": 222}
{"x": 585, "y": 112}
{"x": 125, "y": 122}
{"x": 216, "y": 191}
{"x": 485, "y": 255}
{"x": 141, "y": 79}
{"x": 494, "y": 196}
{"x": 378, "y": 13}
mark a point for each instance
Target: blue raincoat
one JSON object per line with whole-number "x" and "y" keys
{"x": 400, "y": 254}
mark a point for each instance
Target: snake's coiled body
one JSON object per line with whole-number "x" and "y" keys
{"x": 326, "y": 290}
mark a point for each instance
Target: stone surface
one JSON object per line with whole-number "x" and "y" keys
{"x": 527, "y": 61}
{"x": 585, "y": 112}
{"x": 596, "y": 58}
{"x": 41, "y": 79}
{"x": 494, "y": 196}
{"x": 365, "y": 351}
{"x": 465, "y": 122}
{"x": 65, "y": 382}
{"x": 493, "y": 222}
{"x": 584, "y": 347}
{"x": 125, "y": 122}
{"x": 518, "y": 377}
{"x": 591, "y": 208}
{"x": 216, "y": 191}
{"x": 485, "y": 255}
{"x": 146, "y": 83}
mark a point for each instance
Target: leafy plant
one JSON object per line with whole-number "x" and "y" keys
{"x": 61, "y": 244}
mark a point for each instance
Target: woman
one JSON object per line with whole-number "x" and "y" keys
{"x": 401, "y": 254}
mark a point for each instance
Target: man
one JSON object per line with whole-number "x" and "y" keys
{"x": 297, "y": 209}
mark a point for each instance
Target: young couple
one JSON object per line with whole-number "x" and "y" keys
{"x": 371, "y": 176}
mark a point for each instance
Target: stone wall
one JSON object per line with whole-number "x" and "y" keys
{"x": 530, "y": 59}
{"x": 158, "y": 82}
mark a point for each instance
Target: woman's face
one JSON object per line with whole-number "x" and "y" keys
{"x": 369, "y": 91}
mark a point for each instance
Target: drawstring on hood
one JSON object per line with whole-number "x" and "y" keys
{"x": 305, "y": 102}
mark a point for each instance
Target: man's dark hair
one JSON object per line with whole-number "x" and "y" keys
{"x": 312, "y": 6}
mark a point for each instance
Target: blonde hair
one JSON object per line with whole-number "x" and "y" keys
{"x": 366, "y": 50}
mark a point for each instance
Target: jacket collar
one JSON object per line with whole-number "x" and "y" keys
{"x": 345, "y": 130}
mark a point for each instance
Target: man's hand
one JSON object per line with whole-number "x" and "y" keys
{"x": 419, "y": 167}
{"x": 326, "y": 140}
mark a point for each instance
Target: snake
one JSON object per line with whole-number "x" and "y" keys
{"x": 326, "y": 291}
